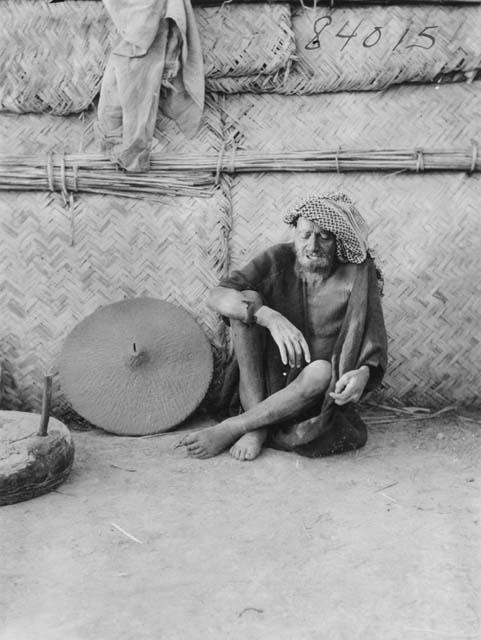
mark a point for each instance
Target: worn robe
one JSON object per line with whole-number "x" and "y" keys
{"x": 360, "y": 340}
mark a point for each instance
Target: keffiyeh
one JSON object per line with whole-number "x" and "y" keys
{"x": 335, "y": 212}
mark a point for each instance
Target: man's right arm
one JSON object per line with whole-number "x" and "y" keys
{"x": 237, "y": 306}
{"x": 232, "y": 304}
{"x": 228, "y": 298}
{"x": 231, "y": 300}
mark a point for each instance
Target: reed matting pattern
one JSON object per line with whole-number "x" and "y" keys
{"x": 59, "y": 263}
{"x": 371, "y": 48}
{"x": 239, "y": 40}
{"x": 53, "y": 55}
{"x": 426, "y": 229}
{"x": 437, "y": 116}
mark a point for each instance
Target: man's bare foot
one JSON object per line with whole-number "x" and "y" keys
{"x": 211, "y": 441}
{"x": 249, "y": 445}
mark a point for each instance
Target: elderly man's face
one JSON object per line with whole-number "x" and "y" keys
{"x": 315, "y": 247}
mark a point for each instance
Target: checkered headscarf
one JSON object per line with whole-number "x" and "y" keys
{"x": 335, "y": 212}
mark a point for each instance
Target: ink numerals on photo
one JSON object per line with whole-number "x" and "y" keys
{"x": 371, "y": 35}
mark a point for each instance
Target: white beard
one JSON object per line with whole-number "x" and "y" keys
{"x": 314, "y": 270}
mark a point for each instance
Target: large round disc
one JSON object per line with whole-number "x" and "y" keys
{"x": 136, "y": 367}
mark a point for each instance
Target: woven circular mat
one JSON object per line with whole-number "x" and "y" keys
{"x": 136, "y": 367}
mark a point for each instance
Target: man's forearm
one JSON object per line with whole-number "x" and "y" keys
{"x": 232, "y": 304}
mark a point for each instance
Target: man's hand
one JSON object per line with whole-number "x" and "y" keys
{"x": 350, "y": 386}
{"x": 292, "y": 344}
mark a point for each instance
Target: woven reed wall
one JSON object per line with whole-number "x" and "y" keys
{"x": 403, "y": 117}
{"x": 58, "y": 264}
{"x": 425, "y": 228}
{"x": 59, "y": 50}
{"x": 53, "y": 55}
{"x": 427, "y": 231}
{"x": 389, "y": 45}
{"x": 177, "y": 248}
{"x": 239, "y": 40}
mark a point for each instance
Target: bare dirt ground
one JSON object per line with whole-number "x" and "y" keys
{"x": 383, "y": 543}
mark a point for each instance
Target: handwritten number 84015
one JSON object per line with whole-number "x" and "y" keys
{"x": 421, "y": 40}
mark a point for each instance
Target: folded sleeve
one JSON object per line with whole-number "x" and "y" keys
{"x": 373, "y": 351}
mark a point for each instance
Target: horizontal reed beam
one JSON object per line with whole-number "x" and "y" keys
{"x": 196, "y": 174}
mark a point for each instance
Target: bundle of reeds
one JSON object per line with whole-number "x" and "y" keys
{"x": 195, "y": 174}
{"x": 94, "y": 173}
{"x": 340, "y": 160}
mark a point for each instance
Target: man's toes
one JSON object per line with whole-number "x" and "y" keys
{"x": 203, "y": 454}
{"x": 195, "y": 452}
{"x": 236, "y": 452}
{"x": 188, "y": 440}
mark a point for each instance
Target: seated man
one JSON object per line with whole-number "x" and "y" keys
{"x": 309, "y": 337}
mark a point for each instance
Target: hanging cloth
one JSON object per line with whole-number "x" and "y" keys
{"x": 158, "y": 58}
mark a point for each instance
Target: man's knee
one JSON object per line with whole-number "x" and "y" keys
{"x": 314, "y": 378}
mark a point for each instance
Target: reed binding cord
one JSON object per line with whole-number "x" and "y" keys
{"x": 474, "y": 157}
{"x": 219, "y": 168}
{"x": 67, "y": 195}
{"x": 226, "y": 161}
{"x": 419, "y": 160}
{"x": 338, "y": 167}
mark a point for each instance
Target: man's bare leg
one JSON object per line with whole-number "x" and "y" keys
{"x": 249, "y": 346}
{"x": 285, "y": 404}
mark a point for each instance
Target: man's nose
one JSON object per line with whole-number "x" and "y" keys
{"x": 314, "y": 242}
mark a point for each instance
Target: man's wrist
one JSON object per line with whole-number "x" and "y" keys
{"x": 365, "y": 369}
{"x": 251, "y": 310}
{"x": 261, "y": 315}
